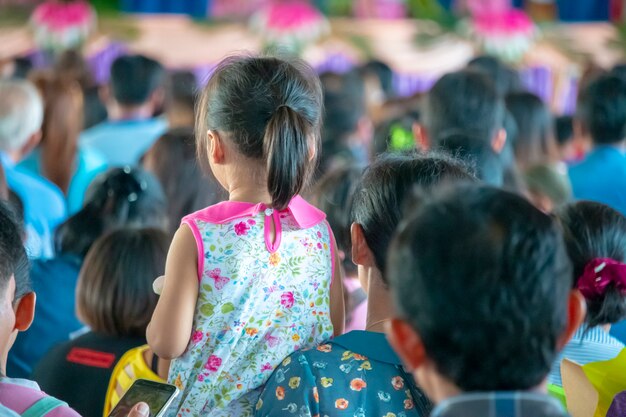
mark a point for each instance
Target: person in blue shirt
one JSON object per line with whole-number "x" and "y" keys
{"x": 135, "y": 93}
{"x": 481, "y": 282}
{"x": 58, "y": 157}
{"x": 21, "y": 115}
{"x": 601, "y": 176}
{"x": 358, "y": 373}
{"x": 117, "y": 199}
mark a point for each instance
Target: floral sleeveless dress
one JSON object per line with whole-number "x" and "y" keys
{"x": 259, "y": 301}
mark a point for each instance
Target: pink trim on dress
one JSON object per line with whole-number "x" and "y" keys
{"x": 272, "y": 246}
{"x": 189, "y": 221}
{"x": 331, "y": 237}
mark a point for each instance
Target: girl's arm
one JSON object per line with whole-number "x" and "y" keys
{"x": 169, "y": 330}
{"x": 337, "y": 308}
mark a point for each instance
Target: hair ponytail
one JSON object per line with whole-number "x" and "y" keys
{"x": 287, "y": 152}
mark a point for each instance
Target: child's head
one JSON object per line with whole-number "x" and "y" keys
{"x": 17, "y": 301}
{"x": 122, "y": 197}
{"x": 262, "y": 114}
{"x": 595, "y": 234}
{"x": 114, "y": 294}
{"x": 564, "y": 134}
{"x": 549, "y": 188}
{"x": 380, "y": 197}
{"x": 481, "y": 280}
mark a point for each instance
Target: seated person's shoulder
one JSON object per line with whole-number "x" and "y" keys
{"x": 20, "y": 395}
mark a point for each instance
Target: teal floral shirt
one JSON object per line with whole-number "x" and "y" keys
{"x": 356, "y": 374}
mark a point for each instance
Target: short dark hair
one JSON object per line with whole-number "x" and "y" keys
{"x": 604, "y": 109}
{"x": 505, "y": 79}
{"x": 534, "y": 142}
{"x": 333, "y": 194}
{"x": 13, "y": 259}
{"x": 122, "y": 197}
{"x": 478, "y": 154}
{"x": 271, "y": 109}
{"x": 173, "y": 161}
{"x": 380, "y": 197}
{"x": 134, "y": 78}
{"x": 382, "y": 72}
{"x": 483, "y": 277}
{"x": 463, "y": 102}
{"x": 344, "y": 104}
{"x": 593, "y": 230}
{"x": 114, "y": 293}
{"x": 564, "y": 129}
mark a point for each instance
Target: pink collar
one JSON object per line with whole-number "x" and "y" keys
{"x": 304, "y": 213}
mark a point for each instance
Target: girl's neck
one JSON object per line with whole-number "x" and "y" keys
{"x": 250, "y": 194}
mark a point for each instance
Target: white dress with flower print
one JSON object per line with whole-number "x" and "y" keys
{"x": 259, "y": 301}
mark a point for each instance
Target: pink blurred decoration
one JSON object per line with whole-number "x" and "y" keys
{"x": 380, "y": 9}
{"x": 510, "y": 22}
{"x": 62, "y": 25}
{"x": 488, "y": 7}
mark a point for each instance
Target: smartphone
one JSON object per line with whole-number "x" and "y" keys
{"x": 157, "y": 395}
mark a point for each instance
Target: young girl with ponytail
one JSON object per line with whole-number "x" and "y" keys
{"x": 250, "y": 280}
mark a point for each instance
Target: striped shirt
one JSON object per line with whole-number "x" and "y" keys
{"x": 587, "y": 345}
{"x": 500, "y": 404}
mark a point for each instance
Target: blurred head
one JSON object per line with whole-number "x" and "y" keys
{"x": 260, "y": 118}
{"x": 505, "y": 78}
{"x": 116, "y": 298}
{"x": 333, "y": 194}
{"x": 181, "y": 99}
{"x": 17, "y": 301}
{"x": 564, "y": 134}
{"x": 380, "y": 199}
{"x": 549, "y": 188}
{"x": 501, "y": 267}
{"x": 72, "y": 65}
{"x": 596, "y": 231}
{"x": 123, "y": 197}
{"x": 62, "y": 124}
{"x": 467, "y": 103}
{"x": 486, "y": 162}
{"x": 380, "y": 73}
{"x": 603, "y": 110}
{"x": 21, "y": 115}
{"x": 534, "y": 142}
{"x": 172, "y": 160}
{"x": 396, "y": 135}
{"x": 136, "y": 80}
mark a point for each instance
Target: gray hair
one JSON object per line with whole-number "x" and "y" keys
{"x": 21, "y": 113}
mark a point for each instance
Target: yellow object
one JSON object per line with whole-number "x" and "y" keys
{"x": 131, "y": 367}
{"x": 609, "y": 379}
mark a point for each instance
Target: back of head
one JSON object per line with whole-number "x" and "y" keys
{"x": 564, "y": 129}
{"x": 382, "y": 72}
{"x": 477, "y": 153}
{"x": 172, "y": 160}
{"x": 380, "y": 197}
{"x": 271, "y": 109}
{"x": 505, "y": 78}
{"x": 134, "y": 78}
{"x": 71, "y": 64}
{"x": 114, "y": 294}
{"x": 463, "y": 102}
{"x": 534, "y": 142}
{"x": 604, "y": 109}
{"x": 333, "y": 194}
{"x": 13, "y": 260}
{"x": 483, "y": 277}
{"x": 21, "y": 113}
{"x": 122, "y": 197}
{"x": 595, "y": 231}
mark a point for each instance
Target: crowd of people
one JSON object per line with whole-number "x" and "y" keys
{"x": 279, "y": 242}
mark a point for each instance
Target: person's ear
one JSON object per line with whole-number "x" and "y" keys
{"x": 421, "y": 137}
{"x": 216, "y": 147}
{"x": 30, "y": 144}
{"x": 361, "y": 252}
{"x": 576, "y": 311}
{"x": 406, "y": 343}
{"x": 498, "y": 141}
{"x": 25, "y": 312}
{"x": 157, "y": 98}
{"x": 104, "y": 93}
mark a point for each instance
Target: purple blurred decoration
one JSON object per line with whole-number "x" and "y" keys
{"x": 406, "y": 85}
{"x": 336, "y": 62}
{"x": 618, "y": 406}
{"x": 538, "y": 80}
{"x": 101, "y": 62}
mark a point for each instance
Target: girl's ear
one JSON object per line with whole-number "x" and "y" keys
{"x": 215, "y": 147}
{"x": 25, "y": 312}
{"x": 361, "y": 252}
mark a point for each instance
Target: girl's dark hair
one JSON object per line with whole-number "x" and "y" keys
{"x": 114, "y": 294}
{"x": 271, "y": 110}
{"x": 594, "y": 230}
{"x": 333, "y": 194}
{"x": 380, "y": 198}
{"x": 172, "y": 160}
{"x": 122, "y": 197}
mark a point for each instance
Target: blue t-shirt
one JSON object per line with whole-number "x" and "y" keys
{"x": 123, "y": 142}
{"x": 356, "y": 374}
{"x": 54, "y": 282}
{"x": 44, "y": 207}
{"x": 601, "y": 177}
{"x": 89, "y": 163}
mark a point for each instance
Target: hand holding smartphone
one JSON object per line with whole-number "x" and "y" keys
{"x": 157, "y": 395}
